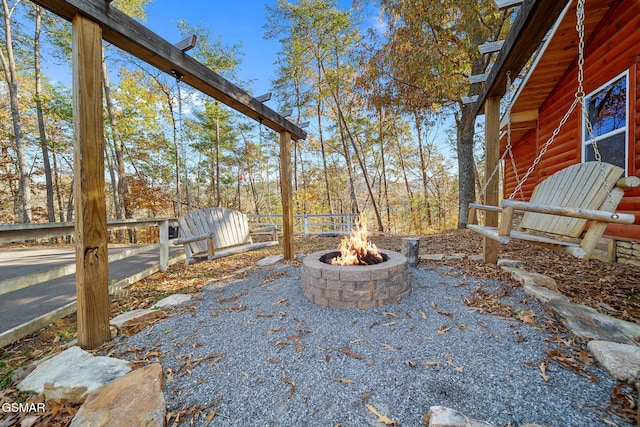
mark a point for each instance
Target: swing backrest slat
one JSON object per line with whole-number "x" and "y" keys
{"x": 577, "y": 186}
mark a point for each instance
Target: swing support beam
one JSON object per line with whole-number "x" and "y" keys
{"x": 93, "y": 21}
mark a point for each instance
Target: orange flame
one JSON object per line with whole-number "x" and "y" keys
{"x": 355, "y": 248}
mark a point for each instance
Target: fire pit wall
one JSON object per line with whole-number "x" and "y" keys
{"x": 355, "y": 287}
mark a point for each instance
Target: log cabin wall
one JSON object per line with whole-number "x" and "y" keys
{"x": 611, "y": 50}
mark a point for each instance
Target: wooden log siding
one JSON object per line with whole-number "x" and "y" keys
{"x": 613, "y": 48}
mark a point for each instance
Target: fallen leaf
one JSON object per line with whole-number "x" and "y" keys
{"x": 460, "y": 326}
{"x": 409, "y": 363}
{"x": 281, "y": 343}
{"x": 389, "y": 324}
{"x": 428, "y": 364}
{"x": 292, "y": 389}
{"x": 366, "y": 395}
{"x": 350, "y": 353}
{"x": 390, "y": 347}
{"x": 343, "y": 381}
{"x": 381, "y": 418}
{"x": 388, "y": 314}
{"x": 443, "y": 329}
{"x": 272, "y": 360}
{"x": 260, "y": 314}
{"x": 280, "y": 301}
{"x": 294, "y": 337}
{"x": 528, "y": 317}
{"x": 210, "y": 418}
{"x": 543, "y": 370}
{"x": 423, "y": 314}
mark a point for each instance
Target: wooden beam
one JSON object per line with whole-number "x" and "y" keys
{"x": 264, "y": 98}
{"x": 534, "y": 20}
{"x": 506, "y": 4}
{"x": 520, "y": 117}
{"x": 490, "y": 47}
{"x": 478, "y": 78}
{"x": 492, "y": 156}
{"x": 92, "y": 276}
{"x": 133, "y": 37}
{"x": 187, "y": 44}
{"x": 286, "y": 192}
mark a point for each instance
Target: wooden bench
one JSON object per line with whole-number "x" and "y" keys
{"x": 218, "y": 232}
{"x": 562, "y": 206}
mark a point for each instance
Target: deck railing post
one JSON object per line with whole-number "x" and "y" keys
{"x": 305, "y": 225}
{"x": 164, "y": 244}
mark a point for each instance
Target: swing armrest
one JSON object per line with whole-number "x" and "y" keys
{"x": 485, "y": 207}
{"x": 591, "y": 214}
{"x": 500, "y": 233}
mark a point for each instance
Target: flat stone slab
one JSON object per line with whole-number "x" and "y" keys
{"x": 270, "y": 260}
{"x": 589, "y": 323}
{"x": 531, "y": 278}
{"x": 440, "y": 416}
{"x": 622, "y": 361}
{"x": 135, "y": 399}
{"x": 431, "y": 257}
{"x": 513, "y": 263}
{"x": 72, "y": 374}
{"x": 171, "y": 300}
{"x": 134, "y": 317}
{"x": 542, "y": 294}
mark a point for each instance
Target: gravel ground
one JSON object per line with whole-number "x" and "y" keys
{"x": 256, "y": 352}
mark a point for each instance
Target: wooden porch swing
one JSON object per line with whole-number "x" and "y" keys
{"x": 570, "y": 210}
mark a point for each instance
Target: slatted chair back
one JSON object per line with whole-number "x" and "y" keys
{"x": 577, "y": 186}
{"x": 227, "y": 227}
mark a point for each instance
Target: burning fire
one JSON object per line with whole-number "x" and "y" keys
{"x": 356, "y": 249}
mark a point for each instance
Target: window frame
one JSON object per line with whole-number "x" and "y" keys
{"x": 585, "y": 137}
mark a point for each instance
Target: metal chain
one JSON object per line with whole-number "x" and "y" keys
{"x": 507, "y": 149}
{"x": 509, "y": 146}
{"x": 578, "y": 99}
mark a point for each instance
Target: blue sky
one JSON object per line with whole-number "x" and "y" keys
{"x": 234, "y": 21}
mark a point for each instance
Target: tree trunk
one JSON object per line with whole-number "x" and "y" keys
{"x": 465, "y": 124}
{"x": 385, "y": 188}
{"x": 321, "y": 138}
{"x": 11, "y": 77}
{"x": 412, "y": 214}
{"x": 51, "y": 215}
{"x": 423, "y": 168}
{"x": 115, "y": 178}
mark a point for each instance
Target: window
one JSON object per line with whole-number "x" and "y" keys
{"x": 607, "y": 112}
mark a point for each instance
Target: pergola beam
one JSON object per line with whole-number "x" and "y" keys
{"x": 133, "y": 37}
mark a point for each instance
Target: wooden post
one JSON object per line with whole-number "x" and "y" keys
{"x": 492, "y": 156}
{"x": 164, "y": 244}
{"x": 410, "y": 249}
{"x": 286, "y": 192}
{"x": 92, "y": 276}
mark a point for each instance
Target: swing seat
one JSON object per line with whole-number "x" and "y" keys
{"x": 562, "y": 206}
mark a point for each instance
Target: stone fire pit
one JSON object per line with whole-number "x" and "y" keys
{"x": 354, "y": 286}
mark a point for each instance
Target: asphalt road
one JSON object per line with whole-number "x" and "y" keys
{"x": 21, "y": 306}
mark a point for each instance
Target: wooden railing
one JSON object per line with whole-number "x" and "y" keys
{"x": 10, "y": 233}
{"x": 306, "y": 224}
